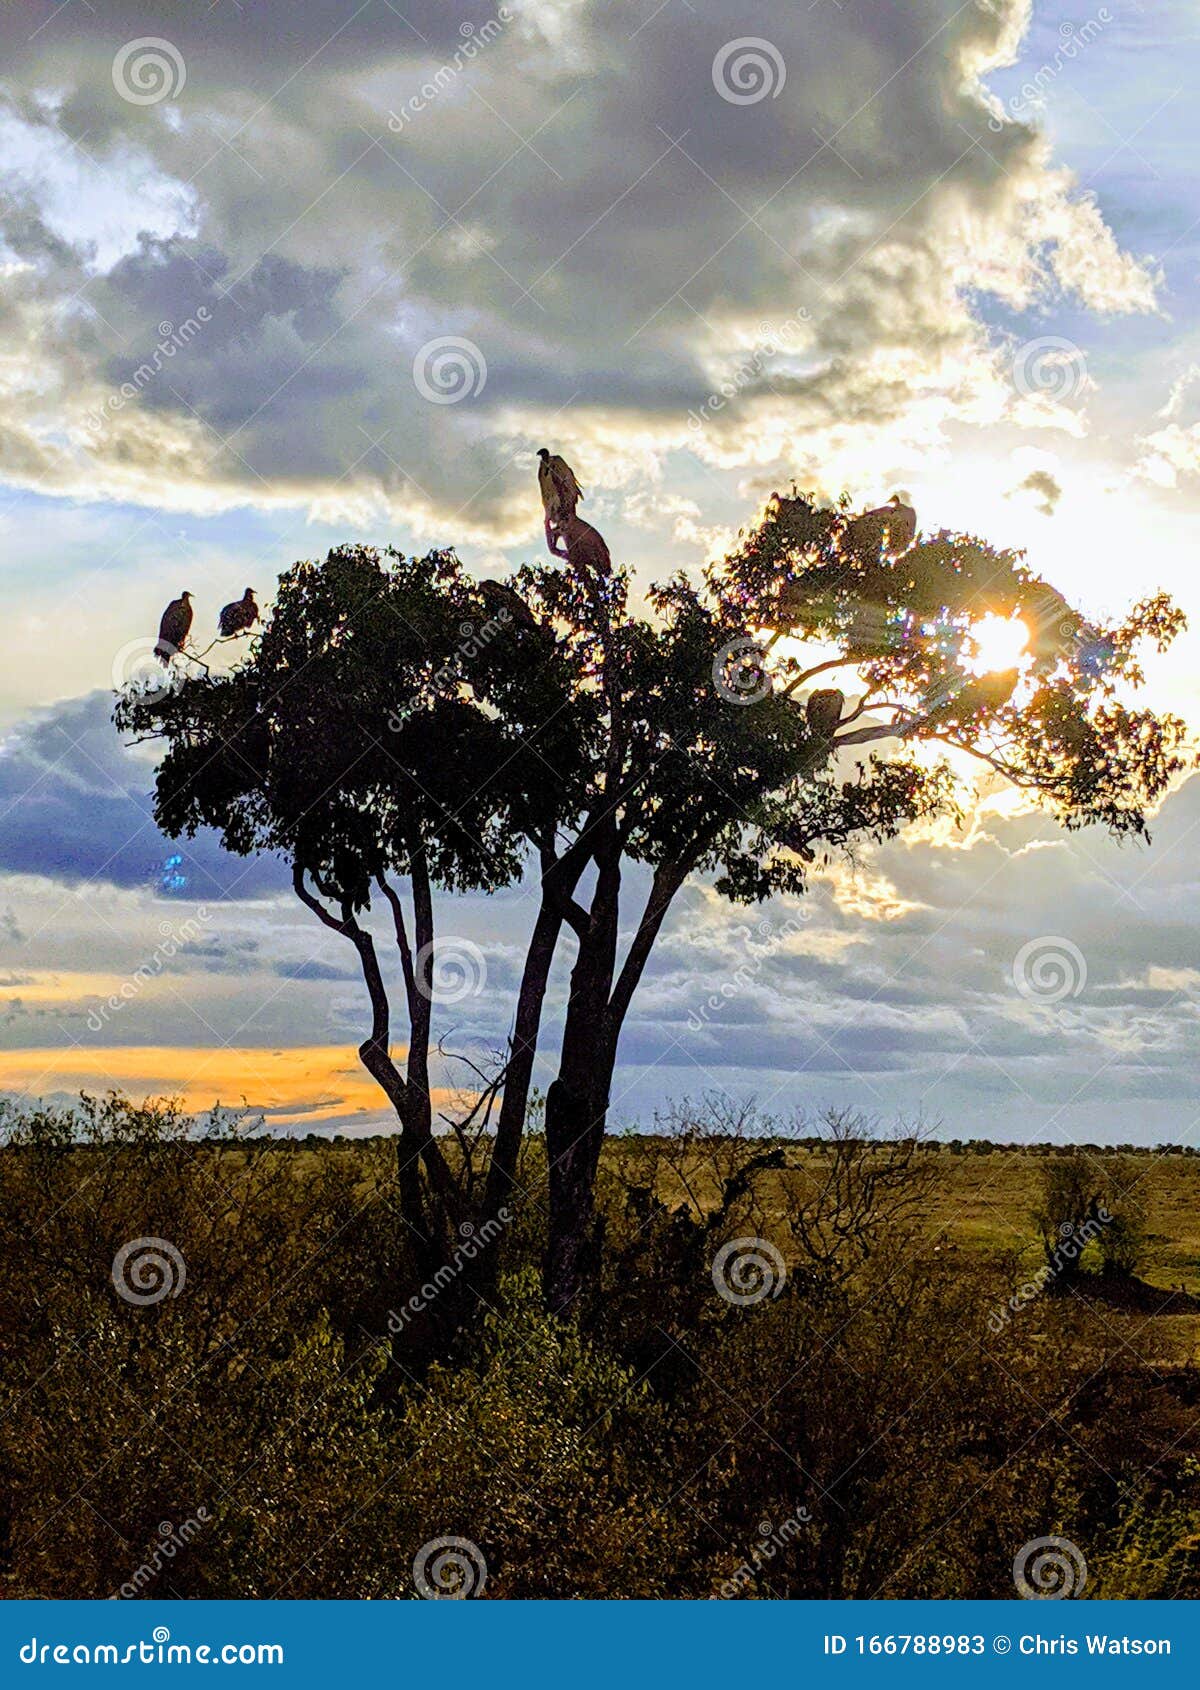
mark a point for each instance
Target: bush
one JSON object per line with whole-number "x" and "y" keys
{"x": 855, "y": 1430}
{"x": 1091, "y": 1207}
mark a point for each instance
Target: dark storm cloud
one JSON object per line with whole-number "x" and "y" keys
{"x": 77, "y": 807}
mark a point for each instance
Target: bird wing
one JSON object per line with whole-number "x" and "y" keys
{"x": 546, "y": 484}
{"x": 902, "y": 528}
{"x": 564, "y": 478}
{"x": 176, "y": 621}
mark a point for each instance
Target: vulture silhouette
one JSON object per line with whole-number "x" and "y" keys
{"x": 559, "y": 489}
{"x": 585, "y": 547}
{"x": 238, "y": 617}
{"x": 823, "y": 711}
{"x": 174, "y": 628}
{"x": 506, "y": 603}
{"x": 892, "y": 526}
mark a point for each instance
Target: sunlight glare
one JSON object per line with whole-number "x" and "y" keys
{"x": 996, "y": 643}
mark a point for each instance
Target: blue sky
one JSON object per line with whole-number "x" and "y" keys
{"x": 872, "y": 257}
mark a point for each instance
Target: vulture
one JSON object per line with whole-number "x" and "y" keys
{"x": 240, "y": 616}
{"x": 587, "y": 551}
{"x": 506, "y": 603}
{"x": 559, "y": 489}
{"x": 174, "y": 628}
{"x": 893, "y": 526}
{"x": 824, "y": 711}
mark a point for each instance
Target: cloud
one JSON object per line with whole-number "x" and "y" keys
{"x": 1045, "y": 489}
{"x": 893, "y": 986}
{"x": 77, "y": 807}
{"x": 331, "y": 227}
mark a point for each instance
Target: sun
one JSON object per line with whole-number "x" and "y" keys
{"x": 996, "y": 643}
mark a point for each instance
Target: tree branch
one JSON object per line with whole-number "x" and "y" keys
{"x": 668, "y": 878}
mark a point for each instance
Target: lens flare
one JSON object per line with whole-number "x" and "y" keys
{"x": 995, "y": 643}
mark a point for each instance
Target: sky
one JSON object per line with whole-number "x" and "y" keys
{"x": 276, "y": 277}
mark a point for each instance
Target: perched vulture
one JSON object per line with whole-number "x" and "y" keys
{"x": 824, "y": 711}
{"x": 506, "y": 603}
{"x": 1057, "y": 632}
{"x": 238, "y": 617}
{"x": 559, "y": 489}
{"x": 587, "y": 550}
{"x": 893, "y": 526}
{"x": 174, "y": 628}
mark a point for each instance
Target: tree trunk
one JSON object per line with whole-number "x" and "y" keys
{"x": 510, "y": 1123}
{"x": 577, "y": 1102}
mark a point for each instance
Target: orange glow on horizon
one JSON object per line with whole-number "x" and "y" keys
{"x": 304, "y": 1083}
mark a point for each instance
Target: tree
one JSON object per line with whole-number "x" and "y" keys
{"x": 369, "y": 739}
{"x": 345, "y": 743}
{"x": 716, "y": 753}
